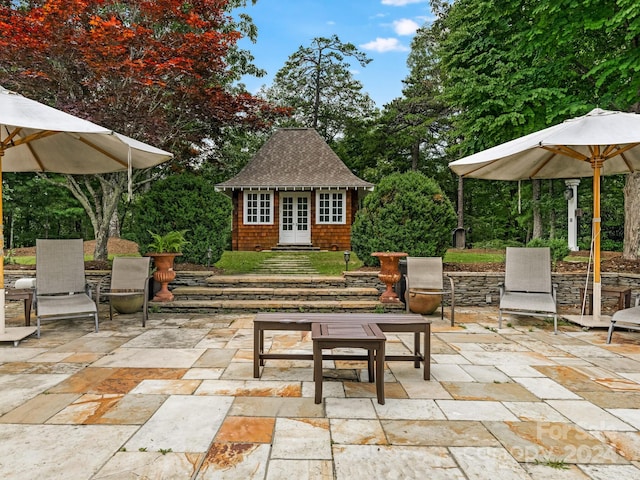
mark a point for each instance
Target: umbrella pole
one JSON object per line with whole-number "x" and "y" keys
{"x": 597, "y": 285}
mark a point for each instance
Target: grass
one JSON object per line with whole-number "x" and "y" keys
{"x": 326, "y": 263}
{"x": 31, "y": 259}
{"x": 460, "y": 256}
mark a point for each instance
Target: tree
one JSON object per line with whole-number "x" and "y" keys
{"x": 184, "y": 202}
{"x": 317, "y": 83}
{"x": 160, "y": 72}
{"x": 397, "y": 215}
{"x": 512, "y": 67}
{"x": 417, "y": 121}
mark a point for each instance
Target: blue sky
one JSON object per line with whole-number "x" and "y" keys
{"x": 383, "y": 29}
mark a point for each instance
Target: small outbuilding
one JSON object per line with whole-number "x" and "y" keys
{"x": 294, "y": 193}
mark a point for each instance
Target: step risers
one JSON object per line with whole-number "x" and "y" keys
{"x": 254, "y": 293}
{"x": 209, "y": 306}
{"x": 266, "y": 293}
{"x": 276, "y": 281}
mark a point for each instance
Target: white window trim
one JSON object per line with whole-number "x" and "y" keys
{"x": 245, "y": 214}
{"x": 344, "y": 207}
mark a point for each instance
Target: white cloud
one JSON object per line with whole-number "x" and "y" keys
{"x": 405, "y": 26}
{"x": 401, "y": 3}
{"x": 385, "y": 45}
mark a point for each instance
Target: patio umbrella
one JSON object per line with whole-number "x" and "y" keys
{"x": 599, "y": 143}
{"x": 37, "y": 138}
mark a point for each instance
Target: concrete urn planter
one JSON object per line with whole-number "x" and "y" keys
{"x": 423, "y": 304}
{"x": 127, "y": 303}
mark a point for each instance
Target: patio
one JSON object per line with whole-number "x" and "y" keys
{"x": 177, "y": 400}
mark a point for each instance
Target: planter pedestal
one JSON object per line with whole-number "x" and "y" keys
{"x": 389, "y": 273}
{"x": 164, "y": 274}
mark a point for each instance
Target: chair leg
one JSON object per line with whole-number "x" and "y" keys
{"x": 96, "y": 319}
{"x": 555, "y": 324}
{"x": 499, "y": 318}
{"x": 38, "y": 325}
{"x": 610, "y": 333}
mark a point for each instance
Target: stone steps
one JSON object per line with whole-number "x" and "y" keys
{"x": 266, "y": 293}
{"x": 208, "y": 306}
{"x": 253, "y": 293}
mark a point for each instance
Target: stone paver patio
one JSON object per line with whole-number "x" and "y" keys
{"x": 177, "y": 400}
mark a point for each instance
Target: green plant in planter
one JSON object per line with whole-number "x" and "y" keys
{"x": 171, "y": 242}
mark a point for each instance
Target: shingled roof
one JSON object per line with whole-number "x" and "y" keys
{"x": 294, "y": 158}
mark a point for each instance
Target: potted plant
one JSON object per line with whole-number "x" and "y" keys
{"x": 164, "y": 249}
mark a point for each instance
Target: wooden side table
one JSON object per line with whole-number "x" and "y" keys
{"x": 22, "y": 294}
{"x": 623, "y": 294}
{"x": 357, "y": 335}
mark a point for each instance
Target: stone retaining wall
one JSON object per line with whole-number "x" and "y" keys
{"x": 483, "y": 288}
{"x": 472, "y": 288}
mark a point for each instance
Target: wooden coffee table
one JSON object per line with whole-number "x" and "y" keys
{"x": 344, "y": 335}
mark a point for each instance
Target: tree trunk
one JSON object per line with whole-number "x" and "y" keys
{"x": 537, "y": 220}
{"x": 631, "y": 249}
{"x": 415, "y": 156}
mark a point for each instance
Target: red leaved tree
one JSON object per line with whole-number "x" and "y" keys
{"x": 161, "y": 71}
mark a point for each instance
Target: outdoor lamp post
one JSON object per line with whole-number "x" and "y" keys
{"x": 209, "y": 252}
{"x": 347, "y": 257}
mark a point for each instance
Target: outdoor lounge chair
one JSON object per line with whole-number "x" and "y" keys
{"x": 527, "y": 287}
{"x": 628, "y": 317}
{"x": 61, "y": 288}
{"x": 424, "y": 278}
{"x": 129, "y": 279}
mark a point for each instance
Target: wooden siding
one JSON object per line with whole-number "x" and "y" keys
{"x": 265, "y": 237}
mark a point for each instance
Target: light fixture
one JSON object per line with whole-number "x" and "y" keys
{"x": 568, "y": 193}
{"x": 347, "y": 257}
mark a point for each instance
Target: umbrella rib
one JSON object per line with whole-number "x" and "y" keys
{"x": 566, "y": 151}
{"x": 102, "y": 151}
{"x": 30, "y": 138}
{"x": 543, "y": 164}
{"x": 484, "y": 165}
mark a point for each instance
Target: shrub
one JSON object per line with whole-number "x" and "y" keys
{"x": 407, "y": 212}
{"x": 183, "y": 202}
{"x": 558, "y": 247}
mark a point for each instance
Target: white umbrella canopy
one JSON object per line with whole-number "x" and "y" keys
{"x": 599, "y": 143}
{"x": 37, "y": 138}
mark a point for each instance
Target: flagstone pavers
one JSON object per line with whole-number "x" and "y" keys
{"x": 177, "y": 400}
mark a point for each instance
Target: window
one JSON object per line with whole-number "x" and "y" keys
{"x": 258, "y": 208}
{"x": 331, "y": 207}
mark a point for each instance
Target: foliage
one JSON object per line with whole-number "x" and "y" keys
{"x": 35, "y": 209}
{"x": 171, "y": 242}
{"x": 558, "y": 247}
{"x": 317, "y": 84}
{"x": 183, "y": 202}
{"x": 511, "y": 67}
{"x": 406, "y": 212}
{"x": 160, "y": 72}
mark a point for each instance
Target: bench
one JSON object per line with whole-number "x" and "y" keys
{"x": 623, "y": 294}
{"x": 302, "y": 322}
